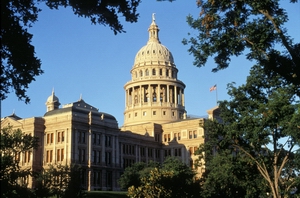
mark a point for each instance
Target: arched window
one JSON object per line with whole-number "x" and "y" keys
{"x": 141, "y": 73}
{"x": 147, "y": 72}
{"x": 136, "y": 74}
{"x": 160, "y": 72}
{"x": 153, "y": 72}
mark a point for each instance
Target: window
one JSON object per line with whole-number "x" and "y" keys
{"x": 143, "y": 151}
{"x": 191, "y": 150}
{"x": 169, "y": 137}
{"x": 164, "y": 112}
{"x": 58, "y": 137}
{"x": 178, "y": 136}
{"x": 49, "y": 156}
{"x": 144, "y": 113}
{"x": 81, "y": 157}
{"x": 62, "y": 136}
{"x": 154, "y": 112}
{"x": 153, "y": 72}
{"x": 173, "y": 113}
{"x": 94, "y": 156}
{"x": 195, "y": 133}
{"x": 99, "y": 139}
{"x": 107, "y": 141}
{"x": 160, "y": 72}
{"x": 175, "y": 136}
{"x": 27, "y": 155}
{"x": 135, "y": 114}
{"x": 97, "y": 178}
{"x": 107, "y": 158}
{"x": 190, "y": 135}
{"x": 81, "y": 138}
{"x": 141, "y": 73}
{"x": 157, "y": 153}
{"x": 147, "y": 72}
{"x": 51, "y": 138}
{"x": 48, "y": 138}
{"x": 150, "y": 152}
{"x": 94, "y": 138}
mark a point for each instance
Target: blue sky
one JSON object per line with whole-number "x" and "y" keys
{"x": 79, "y": 58}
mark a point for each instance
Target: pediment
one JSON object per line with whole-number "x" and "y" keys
{"x": 11, "y": 121}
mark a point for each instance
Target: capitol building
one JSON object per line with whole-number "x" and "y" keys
{"x": 155, "y": 126}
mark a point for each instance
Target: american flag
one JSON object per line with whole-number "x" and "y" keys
{"x": 213, "y": 88}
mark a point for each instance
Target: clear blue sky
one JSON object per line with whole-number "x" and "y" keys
{"x": 79, "y": 58}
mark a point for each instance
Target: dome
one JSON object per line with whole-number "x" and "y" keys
{"x": 153, "y": 51}
{"x": 52, "y": 98}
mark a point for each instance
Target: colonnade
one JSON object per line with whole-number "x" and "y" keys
{"x": 154, "y": 94}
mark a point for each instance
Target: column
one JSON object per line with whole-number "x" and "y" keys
{"x": 175, "y": 96}
{"x": 168, "y": 93}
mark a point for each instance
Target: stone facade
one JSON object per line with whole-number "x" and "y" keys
{"x": 155, "y": 125}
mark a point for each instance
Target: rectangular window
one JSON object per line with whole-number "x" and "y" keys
{"x": 62, "y": 136}
{"x": 195, "y": 133}
{"x": 165, "y": 137}
{"x": 81, "y": 153}
{"x": 99, "y": 157}
{"x": 107, "y": 158}
{"x": 175, "y": 136}
{"x": 51, "y": 140}
{"x": 154, "y": 112}
{"x": 58, "y": 136}
{"x": 178, "y": 136}
{"x": 107, "y": 141}
{"x": 190, "y": 135}
{"x": 164, "y": 112}
{"x": 48, "y": 138}
{"x": 58, "y": 155}
{"x": 169, "y": 137}
{"x": 99, "y": 139}
{"x": 94, "y": 138}
{"x": 62, "y": 155}
{"x": 94, "y": 156}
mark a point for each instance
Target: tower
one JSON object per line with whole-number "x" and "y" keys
{"x": 52, "y": 102}
{"x": 154, "y": 94}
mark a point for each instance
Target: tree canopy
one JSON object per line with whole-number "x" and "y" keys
{"x": 230, "y": 28}
{"x": 258, "y": 139}
{"x": 172, "y": 179}
{"x": 19, "y": 64}
{"x": 14, "y": 143}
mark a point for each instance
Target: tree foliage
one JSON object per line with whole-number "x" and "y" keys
{"x": 172, "y": 179}
{"x": 258, "y": 140}
{"x": 60, "y": 181}
{"x": 13, "y": 144}
{"x": 19, "y": 65}
{"x": 230, "y": 28}
{"x": 133, "y": 174}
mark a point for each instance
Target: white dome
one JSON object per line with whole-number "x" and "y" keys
{"x": 154, "y": 51}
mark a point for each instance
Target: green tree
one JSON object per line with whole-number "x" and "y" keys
{"x": 260, "y": 129}
{"x": 13, "y": 144}
{"x": 60, "y": 181}
{"x": 133, "y": 174}
{"x": 19, "y": 65}
{"x": 173, "y": 179}
{"x": 228, "y": 28}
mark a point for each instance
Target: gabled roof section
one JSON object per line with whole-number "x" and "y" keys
{"x": 81, "y": 104}
{"x": 12, "y": 120}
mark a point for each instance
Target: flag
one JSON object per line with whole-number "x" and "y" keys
{"x": 213, "y": 88}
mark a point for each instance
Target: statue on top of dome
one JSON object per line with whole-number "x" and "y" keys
{"x": 153, "y": 16}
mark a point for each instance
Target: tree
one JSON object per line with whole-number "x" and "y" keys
{"x": 260, "y": 129}
{"x": 172, "y": 179}
{"x": 13, "y": 144}
{"x": 133, "y": 174}
{"x": 19, "y": 65}
{"x": 60, "y": 181}
{"x": 228, "y": 28}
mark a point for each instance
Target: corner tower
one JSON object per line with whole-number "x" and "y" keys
{"x": 154, "y": 94}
